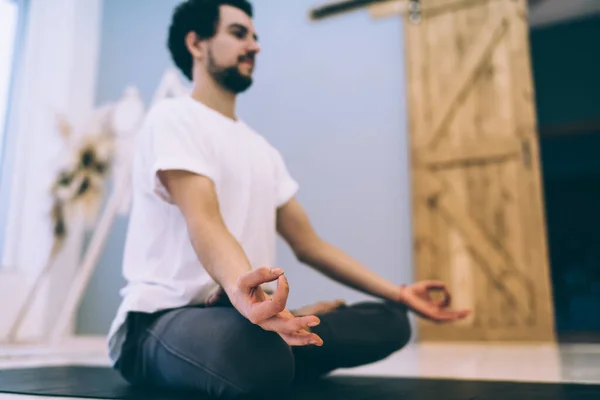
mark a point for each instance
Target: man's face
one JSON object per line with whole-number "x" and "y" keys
{"x": 231, "y": 52}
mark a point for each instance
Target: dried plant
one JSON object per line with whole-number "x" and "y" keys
{"x": 81, "y": 182}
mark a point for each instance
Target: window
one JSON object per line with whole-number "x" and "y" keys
{"x": 8, "y": 29}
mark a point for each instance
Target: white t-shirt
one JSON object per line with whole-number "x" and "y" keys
{"x": 160, "y": 265}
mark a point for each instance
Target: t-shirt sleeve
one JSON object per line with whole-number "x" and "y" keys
{"x": 173, "y": 145}
{"x": 286, "y": 185}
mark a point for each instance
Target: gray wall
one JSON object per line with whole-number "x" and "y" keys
{"x": 330, "y": 96}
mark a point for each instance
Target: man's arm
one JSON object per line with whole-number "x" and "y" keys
{"x": 218, "y": 251}
{"x": 294, "y": 226}
{"x": 225, "y": 261}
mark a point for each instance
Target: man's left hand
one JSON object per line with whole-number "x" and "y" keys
{"x": 417, "y": 297}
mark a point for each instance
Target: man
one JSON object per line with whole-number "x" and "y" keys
{"x": 209, "y": 197}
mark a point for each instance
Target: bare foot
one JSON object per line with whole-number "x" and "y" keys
{"x": 321, "y": 307}
{"x": 218, "y": 298}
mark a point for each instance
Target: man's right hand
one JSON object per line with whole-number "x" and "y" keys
{"x": 224, "y": 258}
{"x": 269, "y": 312}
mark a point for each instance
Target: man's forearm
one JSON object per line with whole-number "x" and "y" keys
{"x": 339, "y": 266}
{"x": 219, "y": 252}
{"x": 216, "y": 248}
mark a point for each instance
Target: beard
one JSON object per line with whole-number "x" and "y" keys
{"x": 230, "y": 77}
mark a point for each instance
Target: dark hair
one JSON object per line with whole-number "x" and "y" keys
{"x": 201, "y": 17}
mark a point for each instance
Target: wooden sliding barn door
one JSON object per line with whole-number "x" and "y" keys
{"x": 478, "y": 209}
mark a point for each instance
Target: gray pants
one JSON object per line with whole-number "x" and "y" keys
{"x": 219, "y": 352}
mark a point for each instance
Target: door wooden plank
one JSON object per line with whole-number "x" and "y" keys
{"x": 501, "y": 108}
{"x": 498, "y": 265}
{"x": 535, "y": 247}
{"x": 425, "y": 192}
{"x": 463, "y": 83}
{"x": 489, "y": 150}
{"x": 451, "y": 269}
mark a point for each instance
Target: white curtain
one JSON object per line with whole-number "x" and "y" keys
{"x": 9, "y": 17}
{"x": 11, "y": 27}
{"x": 57, "y": 75}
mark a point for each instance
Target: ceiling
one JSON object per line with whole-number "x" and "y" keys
{"x": 545, "y": 12}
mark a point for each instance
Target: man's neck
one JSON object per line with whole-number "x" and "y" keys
{"x": 213, "y": 96}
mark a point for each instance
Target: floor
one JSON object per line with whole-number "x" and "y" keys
{"x": 567, "y": 363}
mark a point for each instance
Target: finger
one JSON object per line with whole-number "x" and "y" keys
{"x": 291, "y": 326}
{"x": 439, "y": 286}
{"x": 446, "y": 301}
{"x": 435, "y": 285}
{"x": 423, "y": 306}
{"x": 266, "y": 309}
{"x": 450, "y": 316}
{"x": 435, "y": 314}
{"x": 299, "y": 324}
{"x": 302, "y": 340}
{"x": 280, "y": 296}
{"x": 431, "y": 284}
{"x": 257, "y": 277}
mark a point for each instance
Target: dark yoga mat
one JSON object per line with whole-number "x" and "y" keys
{"x": 104, "y": 383}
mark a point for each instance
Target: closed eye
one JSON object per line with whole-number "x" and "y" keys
{"x": 241, "y": 32}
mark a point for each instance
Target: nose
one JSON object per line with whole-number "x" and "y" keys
{"x": 254, "y": 47}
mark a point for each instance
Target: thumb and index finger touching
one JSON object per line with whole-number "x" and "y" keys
{"x": 265, "y": 309}
{"x": 438, "y": 310}
{"x": 257, "y": 277}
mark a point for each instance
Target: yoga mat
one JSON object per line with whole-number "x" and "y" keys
{"x": 104, "y": 383}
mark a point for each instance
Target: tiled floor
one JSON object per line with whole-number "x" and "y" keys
{"x": 567, "y": 363}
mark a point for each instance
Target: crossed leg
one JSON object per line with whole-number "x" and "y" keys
{"x": 219, "y": 352}
{"x": 354, "y": 335}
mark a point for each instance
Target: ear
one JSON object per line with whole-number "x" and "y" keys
{"x": 195, "y": 46}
